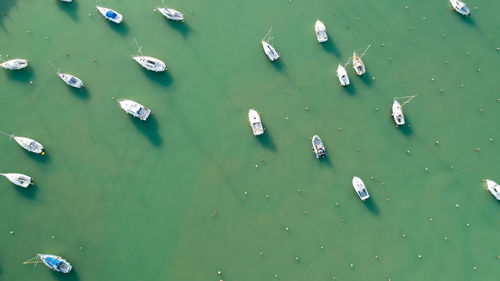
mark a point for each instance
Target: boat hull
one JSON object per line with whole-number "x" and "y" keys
{"x": 342, "y": 75}
{"x": 171, "y": 14}
{"x": 397, "y": 113}
{"x": 271, "y": 53}
{"x": 71, "y": 80}
{"x": 360, "y": 188}
{"x": 135, "y": 109}
{"x": 110, "y": 14}
{"x": 55, "y": 263}
{"x": 318, "y": 147}
{"x": 494, "y": 188}
{"x": 150, "y": 63}
{"x": 30, "y": 145}
{"x": 358, "y": 65}
{"x": 320, "y": 31}
{"x": 255, "y": 123}
{"x": 15, "y": 64}
{"x": 18, "y": 179}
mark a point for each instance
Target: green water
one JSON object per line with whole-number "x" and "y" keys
{"x": 165, "y": 199}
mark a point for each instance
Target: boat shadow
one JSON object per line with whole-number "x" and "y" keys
{"x": 406, "y": 129}
{"x": 367, "y": 78}
{"x": 121, "y": 28}
{"x": 23, "y": 75}
{"x": 164, "y": 79}
{"x": 181, "y": 27}
{"x": 29, "y": 192}
{"x": 278, "y": 65}
{"x": 82, "y": 93}
{"x": 325, "y": 160}
{"x": 71, "y": 276}
{"x": 267, "y": 141}
{"x": 350, "y": 89}
{"x": 469, "y": 20}
{"x": 372, "y": 206}
{"x": 69, "y": 8}
{"x": 149, "y": 128}
{"x": 331, "y": 48}
{"x": 5, "y": 6}
{"x": 38, "y": 157}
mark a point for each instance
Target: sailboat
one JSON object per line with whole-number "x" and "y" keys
{"x": 397, "y": 113}
{"x": 320, "y": 30}
{"x": 149, "y": 63}
{"x": 271, "y": 53}
{"x": 342, "y": 75}
{"x": 15, "y": 64}
{"x": 494, "y": 188}
{"x": 53, "y": 262}
{"x": 171, "y": 14}
{"x": 358, "y": 64}
{"x": 110, "y": 14}
{"x": 29, "y": 144}
{"x": 18, "y": 179}
{"x": 71, "y": 80}
{"x": 255, "y": 123}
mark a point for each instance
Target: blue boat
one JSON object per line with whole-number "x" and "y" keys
{"x": 318, "y": 147}
{"x": 53, "y": 262}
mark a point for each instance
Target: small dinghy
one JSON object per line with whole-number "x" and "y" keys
{"x": 318, "y": 147}
{"x": 254, "y": 119}
{"x": 171, "y": 14}
{"x": 15, "y": 64}
{"x": 397, "y": 113}
{"x": 110, "y": 14}
{"x": 358, "y": 64}
{"x": 135, "y": 109}
{"x": 71, "y": 80}
{"x": 18, "y": 179}
{"x": 320, "y": 29}
{"x": 53, "y": 262}
{"x": 30, "y": 145}
{"x": 150, "y": 63}
{"x": 342, "y": 74}
{"x": 360, "y": 188}
{"x": 460, "y": 7}
{"x": 494, "y": 188}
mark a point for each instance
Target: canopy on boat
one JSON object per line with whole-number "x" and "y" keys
{"x": 111, "y": 14}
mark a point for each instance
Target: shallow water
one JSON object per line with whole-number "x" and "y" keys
{"x": 165, "y": 199}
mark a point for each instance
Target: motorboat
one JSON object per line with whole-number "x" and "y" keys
{"x": 358, "y": 64}
{"x": 360, "y": 188}
{"x": 135, "y": 109}
{"x": 15, "y": 64}
{"x": 494, "y": 188}
{"x": 271, "y": 53}
{"x": 320, "y": 29}
{"x": 151, "y": 63}
{"x": 110, "y": 14}
{"x": 397, "y": 113}
{"x": 255, "y": 123}
{"x": 71, "y": 80}
{"x": 30, "y": 145}
{"x": 342, "y": 74}
{"x": 460, "y": 7}
{"x": 318, "y": 147}
{"x": 18, "y": 179}
{"x": 171, "y": 14}
{"x": 53, "y": 262}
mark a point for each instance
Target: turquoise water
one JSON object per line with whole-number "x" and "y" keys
{"x": 165, "y": 199}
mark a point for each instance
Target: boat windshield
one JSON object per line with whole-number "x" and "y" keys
{"x": 151, "y": 62}
{"x": 72, "y": 80}
{"x": 111, "y": 14}
{"x": 139, "y": 111}
{"x": 362, "y": 193}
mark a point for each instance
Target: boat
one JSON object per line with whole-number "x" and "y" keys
{"x": 494, "y": 188}
{"x": 358, "y": 64}
{"x": 67, "y": 1}
{"x": 271, "y": 53}
{"x": 397, "y": 113}
{"x": 360, "y": 188}
{"x": 135, "y": 109}
{"x": 342, "y": 74}
{"x": 460, "y": 7}
{"x": 53, "y": 262}
{"x": 254, "y": 119}
{"x": 150, "y": 63}
{"x": 18, "y": 179}
{"x": 71, "y": 80}
{"x": 30, "y": 145}
{"x": 110, "y": 14}
{"x": 15, "y": 64}
{"x": 171, "y": 14}
{"x": 320, "y": 29}
{"x": 318, "y": 147}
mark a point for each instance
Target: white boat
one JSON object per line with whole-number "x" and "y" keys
{"x": 18, "y": 179}
{"x": 53, "y": 262}
{"x": 71, "y": 80}
{"x": 494, "y": 188}
{"x": 320, "y": 29}
{"x": 15, "y": 64}
{"x": 360, "y": 188}
{"x": 171, "y": 14}
{"x": 271, "y": 53}
{"x": 342, "y": 74}
{"x": 67, "y": 1}
{"x": 358, "y": 64}
{"x": 397, "y": 113}
{"x": 110, "y": 14}
{"x": 460, "y": 7}
{"x": 135, "y": 109}
{"x": 254, "y": 119}
{"x": 150, "y": 63}
{"x": 318, "y": 147}
{"x": 30, "y": 145}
